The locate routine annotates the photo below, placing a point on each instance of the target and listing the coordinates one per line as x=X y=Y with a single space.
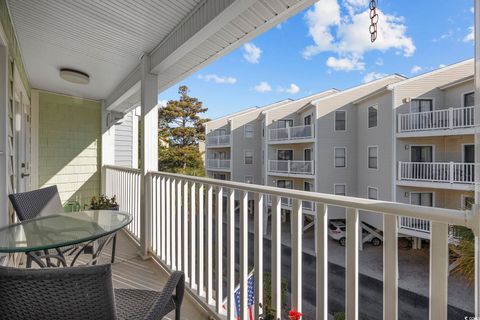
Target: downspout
x=477 y=152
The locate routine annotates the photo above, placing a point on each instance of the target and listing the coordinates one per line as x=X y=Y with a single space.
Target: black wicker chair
x=31 y=204
x=82 y=293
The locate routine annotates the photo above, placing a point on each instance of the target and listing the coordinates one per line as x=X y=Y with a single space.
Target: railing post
x=258 y=253
x=351 y=278
x=149 y=143
x=450 y=118
x=452 y=172
x=297 y=231
x=439 y=271
x=276 y=256
x=399 y=170
x=390 y=267
x=321 y=240
x=399 y=123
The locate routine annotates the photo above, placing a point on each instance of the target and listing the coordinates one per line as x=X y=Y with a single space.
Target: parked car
x=336 y=230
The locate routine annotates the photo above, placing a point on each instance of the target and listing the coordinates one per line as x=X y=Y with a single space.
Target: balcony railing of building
x=451 y=118
x=218 y=164
x=291 y=133
x=219 y=140
x=182 y=225
x=291 y=166
x=414 y=224
x=448 y=172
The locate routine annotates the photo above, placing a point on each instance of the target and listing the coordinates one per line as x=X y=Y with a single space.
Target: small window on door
x=308 y=186
x=340 y=157
x=285 y=123
x=469 y=99
x=307 y=154
x=307 y=120
x=421 y=153
x=285 y=155
x=286 y=184
x=421 y=105
x=340 y=189
x=422 y=199
x=372 y=116
x=340 y=120
x=372 y=193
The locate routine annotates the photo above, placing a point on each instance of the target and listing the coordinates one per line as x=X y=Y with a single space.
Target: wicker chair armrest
x=176 y=283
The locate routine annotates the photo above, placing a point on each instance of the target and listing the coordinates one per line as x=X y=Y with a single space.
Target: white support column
x=258 y=252
x=351 y=277
x=321 y=236
x=149 y=145
x=297 y=254
x=439 y=271
x=390 y=268
x=476 y=117
x=108 y=146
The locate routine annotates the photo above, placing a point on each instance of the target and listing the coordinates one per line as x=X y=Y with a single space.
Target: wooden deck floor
x=130 y=271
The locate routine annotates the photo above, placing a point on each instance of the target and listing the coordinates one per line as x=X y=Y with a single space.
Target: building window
x=372 y=116
x=372 y=193
x=308 y=186
x=307 y=154
x=469 y=99
x=421 y=199
x=284 y=155
x=249 y=179
x=421 y=105
x=286 y=184
x=307 y=120
x=467 y=202
x=340 y=120
x=372 y=157
x=340 y=189
x=219 y=176
x=248 y=157
x=340 y=157
x=285 y=123
x=248 y=130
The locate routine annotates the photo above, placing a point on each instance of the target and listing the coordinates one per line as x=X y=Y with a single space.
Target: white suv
x=336 y=230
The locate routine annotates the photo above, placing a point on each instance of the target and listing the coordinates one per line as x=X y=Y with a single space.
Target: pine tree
x=181 y=129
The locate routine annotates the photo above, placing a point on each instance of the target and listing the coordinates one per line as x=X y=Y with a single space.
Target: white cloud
x=442 y=65
x=252 y=53
x=162 y=103
x=470 y=36
x=379 y=62
x=348 y=36
x=415 y=69
x=263 y=87
x=292 y=89
x=217 y=79
x=373 y=76
x=345 y=64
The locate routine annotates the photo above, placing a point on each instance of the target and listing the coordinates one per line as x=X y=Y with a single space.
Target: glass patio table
x=53 y=237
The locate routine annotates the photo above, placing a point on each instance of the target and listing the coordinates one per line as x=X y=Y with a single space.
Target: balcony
x=438 y=122
x=450 y=175
x=299 y=134
x=291 y=168
x=184 y=214
x=218 y=141
x=218 y=164
x=414 y=227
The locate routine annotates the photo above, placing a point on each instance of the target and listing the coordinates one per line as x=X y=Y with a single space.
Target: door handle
x=23 y=175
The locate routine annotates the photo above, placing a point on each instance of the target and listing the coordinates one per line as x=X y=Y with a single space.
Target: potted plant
x=104 y=203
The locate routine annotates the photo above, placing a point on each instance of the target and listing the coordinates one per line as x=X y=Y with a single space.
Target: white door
x=22 y=145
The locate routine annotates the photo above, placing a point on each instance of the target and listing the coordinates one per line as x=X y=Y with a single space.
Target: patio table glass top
x=61 y=230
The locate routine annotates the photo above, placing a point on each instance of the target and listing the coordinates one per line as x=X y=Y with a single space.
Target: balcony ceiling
x=107 y=38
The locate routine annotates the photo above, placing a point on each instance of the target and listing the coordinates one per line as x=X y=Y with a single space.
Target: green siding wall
x=13 y=47
x=69 y=145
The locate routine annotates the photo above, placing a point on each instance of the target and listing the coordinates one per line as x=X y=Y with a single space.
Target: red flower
x=295 y=315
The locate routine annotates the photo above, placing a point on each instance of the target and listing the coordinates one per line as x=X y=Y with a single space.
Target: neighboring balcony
x=291 y=168
x=439 y=122
x=414 y=227
x=299 y=134
x=447 y=175
x=287 y=203
x=218 y=164
x=218 y=141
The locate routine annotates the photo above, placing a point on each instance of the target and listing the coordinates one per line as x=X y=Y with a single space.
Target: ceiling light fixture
x=74 y=76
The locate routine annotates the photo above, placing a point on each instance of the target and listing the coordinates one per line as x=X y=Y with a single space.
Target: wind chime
x=373 y=20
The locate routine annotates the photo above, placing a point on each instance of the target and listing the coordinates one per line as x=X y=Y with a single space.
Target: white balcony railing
x=291 y=133
x=218 y=164
x=448 y=172
x=183 y=217
x=291 y=166
x=220 y=140
x=451 y=118
x=414 y=224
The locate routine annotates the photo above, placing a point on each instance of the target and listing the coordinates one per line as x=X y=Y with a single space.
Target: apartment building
x=393 y=139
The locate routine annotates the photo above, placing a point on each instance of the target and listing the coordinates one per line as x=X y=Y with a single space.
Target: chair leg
x=114 y=245
x=177 y=313
x=29 y=262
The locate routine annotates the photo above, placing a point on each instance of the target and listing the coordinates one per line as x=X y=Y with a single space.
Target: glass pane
x=340 y=117
x=469 y=100
x=372 y=117
x=60 y=230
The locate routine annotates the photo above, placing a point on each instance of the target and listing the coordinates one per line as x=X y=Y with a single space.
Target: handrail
x=120 y=168
x=450 y=216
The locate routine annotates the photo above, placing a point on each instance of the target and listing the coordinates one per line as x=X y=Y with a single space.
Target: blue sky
x=328 y=46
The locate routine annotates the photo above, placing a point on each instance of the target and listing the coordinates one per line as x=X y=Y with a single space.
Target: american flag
x=250 y=299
